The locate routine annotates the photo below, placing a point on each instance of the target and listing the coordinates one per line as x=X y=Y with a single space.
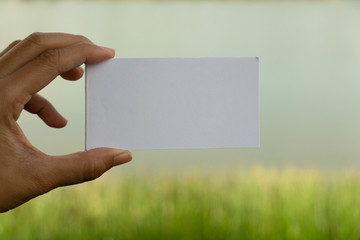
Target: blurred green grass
x=253 y=203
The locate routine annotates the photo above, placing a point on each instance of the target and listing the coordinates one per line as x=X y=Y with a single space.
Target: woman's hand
x=26 y=67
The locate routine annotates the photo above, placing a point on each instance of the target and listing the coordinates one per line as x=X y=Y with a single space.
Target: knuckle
x=83 y=38
x=14 y=43
x=85 y=46
x=36 y=39
x=50 y=58
x=92 y=170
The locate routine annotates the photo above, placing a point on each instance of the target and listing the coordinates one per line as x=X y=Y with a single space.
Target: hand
x=25 y=68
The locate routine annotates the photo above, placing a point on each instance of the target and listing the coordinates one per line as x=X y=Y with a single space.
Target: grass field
x=246 y=204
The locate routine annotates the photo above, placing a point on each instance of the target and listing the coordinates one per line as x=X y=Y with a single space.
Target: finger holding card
x=27 y=66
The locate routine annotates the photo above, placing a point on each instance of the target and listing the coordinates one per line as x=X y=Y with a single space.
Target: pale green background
x=309 y=71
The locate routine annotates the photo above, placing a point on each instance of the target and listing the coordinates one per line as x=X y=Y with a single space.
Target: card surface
x=173 y=103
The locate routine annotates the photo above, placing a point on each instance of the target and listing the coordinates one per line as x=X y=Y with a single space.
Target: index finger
x=36 y=74
x=32 y=46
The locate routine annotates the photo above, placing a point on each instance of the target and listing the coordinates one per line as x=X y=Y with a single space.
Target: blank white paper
x=173 y=103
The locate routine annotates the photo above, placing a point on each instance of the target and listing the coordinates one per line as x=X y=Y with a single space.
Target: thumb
x=85 y=166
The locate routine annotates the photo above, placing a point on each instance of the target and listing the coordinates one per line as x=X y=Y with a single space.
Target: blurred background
x=309 y=85
x=309 y=69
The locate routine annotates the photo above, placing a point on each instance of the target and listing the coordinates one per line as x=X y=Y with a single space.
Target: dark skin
x=26 y=67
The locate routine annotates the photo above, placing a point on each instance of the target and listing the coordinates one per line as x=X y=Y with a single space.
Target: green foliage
x=254 y=204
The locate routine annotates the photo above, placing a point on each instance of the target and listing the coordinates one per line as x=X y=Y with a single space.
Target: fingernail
x=109 y=49
x=123 y=157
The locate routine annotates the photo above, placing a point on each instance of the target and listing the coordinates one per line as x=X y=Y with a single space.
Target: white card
x=172 y=103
